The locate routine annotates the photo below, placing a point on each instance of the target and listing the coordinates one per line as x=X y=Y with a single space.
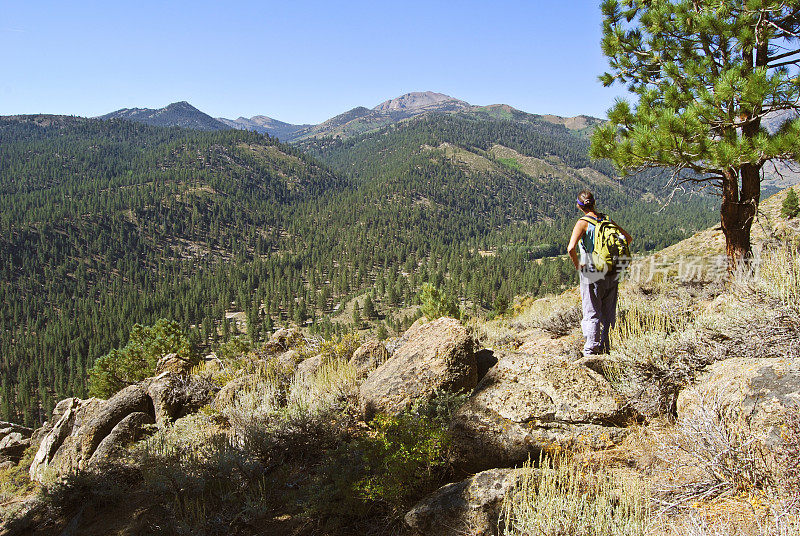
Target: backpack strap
x=592 y=220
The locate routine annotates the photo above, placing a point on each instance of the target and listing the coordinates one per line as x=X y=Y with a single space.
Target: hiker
x=599 y=266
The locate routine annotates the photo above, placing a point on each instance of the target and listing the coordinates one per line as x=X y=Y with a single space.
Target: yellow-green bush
x=436 y=303
x=387 y=468
x=402 y=456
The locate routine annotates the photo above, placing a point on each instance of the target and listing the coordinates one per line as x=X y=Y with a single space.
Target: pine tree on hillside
x=790 y=207
x=369 y=308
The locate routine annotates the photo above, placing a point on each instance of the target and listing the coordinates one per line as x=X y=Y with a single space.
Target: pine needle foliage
x=437 y=303
x=138 y=358
x=706 y=74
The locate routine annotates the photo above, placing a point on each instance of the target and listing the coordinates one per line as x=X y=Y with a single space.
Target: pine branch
x=784 y=55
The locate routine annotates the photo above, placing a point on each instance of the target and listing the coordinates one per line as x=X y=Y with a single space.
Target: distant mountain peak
x=419 y=100
x=180 y=114
x=180 y=105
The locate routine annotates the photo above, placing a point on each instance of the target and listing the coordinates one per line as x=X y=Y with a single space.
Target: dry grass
x=555 y=314
x=275 y=421
x=779 y=274
x=564 y=498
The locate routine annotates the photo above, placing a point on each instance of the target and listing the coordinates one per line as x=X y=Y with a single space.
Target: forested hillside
x=110 y=223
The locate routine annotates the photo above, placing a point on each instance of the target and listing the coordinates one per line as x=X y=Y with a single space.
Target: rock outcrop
x=368 y=357
x=438 y=356
x=761 y=389
x=309 y=366
x=526 y=404
x=471 y=506
x=86 y=433
x=14 y=441
x=59 y=442
x=282 y=340
x=176 y=395
x=173 y=363
x=129 y=430
x=226 y=396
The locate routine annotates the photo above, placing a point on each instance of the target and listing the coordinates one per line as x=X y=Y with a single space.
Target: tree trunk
x=738 y=211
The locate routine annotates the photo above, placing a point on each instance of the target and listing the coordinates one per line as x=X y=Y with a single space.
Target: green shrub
x=383 y=471
x=15 y=481
x=403 y=458
x=137 y=359
x=437 y=303
x=234 y=348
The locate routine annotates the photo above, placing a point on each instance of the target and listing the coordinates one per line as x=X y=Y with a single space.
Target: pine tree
x=369 y=308
x=705 y=73
x=382 y=333
x=790 y=207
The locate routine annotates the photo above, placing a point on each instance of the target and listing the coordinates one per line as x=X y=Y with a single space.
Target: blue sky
x=299 y=61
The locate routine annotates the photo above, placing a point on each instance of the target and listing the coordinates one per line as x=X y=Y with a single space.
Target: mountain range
x=361 y=120
x=353 y=122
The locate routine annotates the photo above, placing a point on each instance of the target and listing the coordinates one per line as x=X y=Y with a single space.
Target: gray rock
x=129 y=430
x=14 y=441
x=176 y=395
x=761 y=389
x=226 y=397
x=309 y=366
x=528 y=403
x=173 y=363
x=129 y=400
x=9 y=427
x=13 y=446
x=471 y=507
x=437 y=357
x=282 y=340
x=368 y=357
x=289 y=359
x=82 y=427
x=57 y=444
x=394 y=343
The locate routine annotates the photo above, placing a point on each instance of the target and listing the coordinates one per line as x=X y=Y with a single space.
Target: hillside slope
x=231 y=232
x=109 y=223
x=433 y=432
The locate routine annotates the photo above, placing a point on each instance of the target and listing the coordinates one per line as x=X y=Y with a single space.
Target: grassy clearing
x=510 y=163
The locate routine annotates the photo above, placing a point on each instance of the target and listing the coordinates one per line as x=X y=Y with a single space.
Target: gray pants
x=599 y=300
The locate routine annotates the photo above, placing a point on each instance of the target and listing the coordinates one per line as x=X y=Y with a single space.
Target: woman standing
x=599 y=288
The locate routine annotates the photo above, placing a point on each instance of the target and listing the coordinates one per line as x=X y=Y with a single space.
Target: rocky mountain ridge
x=352 y=122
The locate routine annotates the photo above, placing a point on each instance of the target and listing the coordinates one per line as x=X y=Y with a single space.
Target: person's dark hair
x=586 y=200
